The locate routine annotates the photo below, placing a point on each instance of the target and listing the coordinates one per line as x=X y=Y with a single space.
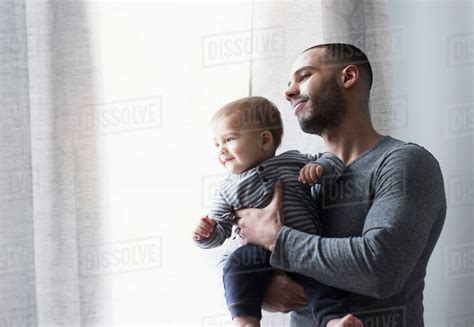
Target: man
x=381 y=219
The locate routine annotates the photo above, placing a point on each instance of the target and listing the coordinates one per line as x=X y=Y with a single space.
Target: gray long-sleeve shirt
x=381 y=221
x=254 y=189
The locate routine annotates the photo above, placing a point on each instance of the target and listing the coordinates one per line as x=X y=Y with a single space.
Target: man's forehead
x=313 y=57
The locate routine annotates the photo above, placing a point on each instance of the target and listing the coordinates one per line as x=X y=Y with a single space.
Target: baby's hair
x=252 y=113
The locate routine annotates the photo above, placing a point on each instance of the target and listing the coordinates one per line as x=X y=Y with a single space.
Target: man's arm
x=409 y=198
x=284 y=294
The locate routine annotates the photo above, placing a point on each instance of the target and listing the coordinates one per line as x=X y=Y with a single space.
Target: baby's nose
x=221 y=149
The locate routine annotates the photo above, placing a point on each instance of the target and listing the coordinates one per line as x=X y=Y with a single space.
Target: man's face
x=315 y=96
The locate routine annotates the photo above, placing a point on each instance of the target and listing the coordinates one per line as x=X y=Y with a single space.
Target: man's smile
x=298 y=104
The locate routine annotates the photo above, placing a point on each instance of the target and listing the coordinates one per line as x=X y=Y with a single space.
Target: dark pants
x=247 y=273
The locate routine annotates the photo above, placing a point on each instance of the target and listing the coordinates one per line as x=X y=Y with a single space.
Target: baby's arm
x=325 y=166
x=216 y=227
x=204 y=228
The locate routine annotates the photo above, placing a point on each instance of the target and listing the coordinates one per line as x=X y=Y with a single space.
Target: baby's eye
x=229 y=139
x=216 y=145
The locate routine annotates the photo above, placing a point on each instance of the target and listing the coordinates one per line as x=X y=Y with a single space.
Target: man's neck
x=349 y=143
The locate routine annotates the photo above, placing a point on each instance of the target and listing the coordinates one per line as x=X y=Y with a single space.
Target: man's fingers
x=319 y=171
x=307 y=174
x=306 y=178
x=301 y=177
x=279 y=184
x=277 y=199
x=284 y=294
x=312 y=174
x=277 y=193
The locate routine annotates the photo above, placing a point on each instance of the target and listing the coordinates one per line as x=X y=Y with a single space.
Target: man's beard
x=327 y=109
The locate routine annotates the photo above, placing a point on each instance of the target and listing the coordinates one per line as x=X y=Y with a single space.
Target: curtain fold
x=366 y=24
x=17 y=265
x=51 y=191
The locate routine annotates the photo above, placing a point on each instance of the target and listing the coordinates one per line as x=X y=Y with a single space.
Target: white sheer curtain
x=50 y=200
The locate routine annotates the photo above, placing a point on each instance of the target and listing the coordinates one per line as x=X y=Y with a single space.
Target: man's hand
x=261 y=226
x=283 y=294
x=204 y=228
x=310 y=173
x=347 y=321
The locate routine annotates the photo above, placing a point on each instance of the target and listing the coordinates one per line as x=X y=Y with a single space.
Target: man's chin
x=310 y=127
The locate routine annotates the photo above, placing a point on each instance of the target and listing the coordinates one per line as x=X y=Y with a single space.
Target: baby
x=247 y=133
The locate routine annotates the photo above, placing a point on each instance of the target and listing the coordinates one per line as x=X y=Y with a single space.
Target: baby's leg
x=327 y=304
x=247 y=274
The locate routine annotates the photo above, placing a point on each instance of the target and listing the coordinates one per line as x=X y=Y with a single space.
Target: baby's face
x=238 y=149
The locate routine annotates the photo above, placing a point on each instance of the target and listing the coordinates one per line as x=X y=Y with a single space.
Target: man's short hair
x=346 y=54
x=253 y=113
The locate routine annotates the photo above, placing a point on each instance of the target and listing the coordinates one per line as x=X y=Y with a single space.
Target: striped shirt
x=254 y=189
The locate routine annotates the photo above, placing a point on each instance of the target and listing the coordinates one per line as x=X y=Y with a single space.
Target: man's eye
x=304 y=76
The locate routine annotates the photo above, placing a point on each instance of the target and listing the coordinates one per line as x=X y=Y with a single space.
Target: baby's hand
x=204 y=228
x=310 y=173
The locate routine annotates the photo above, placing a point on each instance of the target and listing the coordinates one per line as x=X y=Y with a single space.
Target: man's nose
x=291 y=91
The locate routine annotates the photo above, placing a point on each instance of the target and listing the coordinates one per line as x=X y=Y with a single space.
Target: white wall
x=436 y=77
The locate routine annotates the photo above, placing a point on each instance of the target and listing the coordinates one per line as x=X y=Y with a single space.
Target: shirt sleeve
x=409 y=203
x=223 y=215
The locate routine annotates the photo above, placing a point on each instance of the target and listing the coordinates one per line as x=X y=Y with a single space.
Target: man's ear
x=267 y=140
x=350 y=75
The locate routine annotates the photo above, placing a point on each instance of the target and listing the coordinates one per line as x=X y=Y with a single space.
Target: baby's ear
x=267 y=140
